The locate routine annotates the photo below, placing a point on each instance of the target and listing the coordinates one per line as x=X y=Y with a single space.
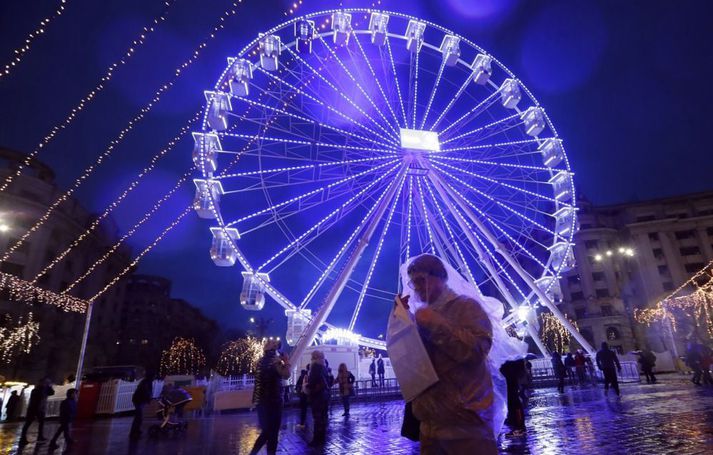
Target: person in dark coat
x=693 y=360
x=345 y=379
x=67 y=413
x=647 y=360
x=372 y=372
x=36 y=409
x=380 y=370
x=515 y=374
x=559 y=370
x=141 y=397
x=12 y=408
x=267 y=396
x=580 y=365
x=608 y=362
x=319 y=390
x=300 y=386
x=569 y=367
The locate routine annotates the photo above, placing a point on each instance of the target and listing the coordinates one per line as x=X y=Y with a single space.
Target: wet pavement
x=673 y=416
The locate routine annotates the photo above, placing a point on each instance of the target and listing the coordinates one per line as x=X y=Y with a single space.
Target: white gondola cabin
x=482 y=69
x=205 y=151
x=510 y=93
x=552 y=151
x=304 y=35
x=241 y=73
x=562 y=257
x=297 y=321
x=206 y=202
x=534 y=120
x=414 y=35
x=378 y=23
x=450 y=49
x=252 y=296
x=342 y=27
x=270 y=48
x=222 y=251
x=562 y=185
x=218 y=107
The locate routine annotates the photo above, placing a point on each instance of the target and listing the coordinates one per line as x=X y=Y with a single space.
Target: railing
x=545 y=377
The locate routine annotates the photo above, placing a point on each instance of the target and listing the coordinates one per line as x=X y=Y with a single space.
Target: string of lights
x=128 y=128
x=152 y=165
x=240 y=356
x=20 y=290
x=20 y=339
x=39 y=30
x=108 y=75
x=182 y=357
x=554 y=334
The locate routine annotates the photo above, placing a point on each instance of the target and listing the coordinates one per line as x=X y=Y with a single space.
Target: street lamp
x=4 y=227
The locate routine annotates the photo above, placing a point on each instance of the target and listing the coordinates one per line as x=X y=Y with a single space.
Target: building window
x=709 y=230
x=577 y=296
x=653 y=236
x=694 y=267
x=663 y=269
x=641 y=219
x=658 y=253
x=580 y=313
x=602 y=293
x=612 y=334
x=667 y=286
x=598 y=276
x=689 y=250
x=573 y=279
x=606 y=310
x=591 y=244
x=682 y=235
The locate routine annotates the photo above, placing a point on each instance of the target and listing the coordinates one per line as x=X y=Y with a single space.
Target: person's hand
x=404 y=301
x=425 y=316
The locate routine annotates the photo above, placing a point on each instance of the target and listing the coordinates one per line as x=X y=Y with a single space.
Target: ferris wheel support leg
x=518 y=269
x=490 y=268
x=321 y=316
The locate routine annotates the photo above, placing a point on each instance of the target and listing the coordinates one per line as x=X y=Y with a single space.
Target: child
x=67 y=412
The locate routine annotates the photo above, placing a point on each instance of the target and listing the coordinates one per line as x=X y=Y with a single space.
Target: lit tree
x=240 y=356
x=18 y=339
x=183 y=357
x=554 y=334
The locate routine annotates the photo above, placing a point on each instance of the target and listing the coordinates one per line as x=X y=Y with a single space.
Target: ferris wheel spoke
x=358 y=86
x=388 y=138
x=376 y=79
x=489 y=130
x=323 y=190
x=314 y=122
x=433 y=93
x=377 y=254
x=396 y=80
x=337 y=90
x=502 y=184
x=452 y=101
x=474 y=112
x=437 y=157
x=301 y=142
x=409 y=217
x=413 y=94
x=425 y=215
x=317 y=227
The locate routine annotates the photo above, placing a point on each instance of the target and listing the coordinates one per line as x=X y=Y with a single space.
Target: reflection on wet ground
x=672 y=416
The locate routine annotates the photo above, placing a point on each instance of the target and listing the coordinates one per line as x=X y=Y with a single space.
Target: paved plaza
x=673 y=416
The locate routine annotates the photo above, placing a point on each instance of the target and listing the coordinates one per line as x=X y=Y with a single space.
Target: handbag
x=410 y=428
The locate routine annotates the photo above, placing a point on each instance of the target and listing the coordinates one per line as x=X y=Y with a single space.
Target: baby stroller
x=170 y=412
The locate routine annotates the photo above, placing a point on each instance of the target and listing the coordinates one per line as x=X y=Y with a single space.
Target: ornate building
x=25 y=200
x=631 y=256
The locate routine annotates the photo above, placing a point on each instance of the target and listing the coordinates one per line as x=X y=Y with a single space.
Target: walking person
x=67 y=413
x=380 y=370
x=569 y=365
x=345 y=379
x=372 y=372
x=301 y=388
x=456 y=413
x=515 y=374
x=319 y=390
x=647 y=360
x=141 y=397
x=36 y=409
x=608 y=362
x=559 y=370
x=693 y=360
x=706 y=360
x=12 y=407
x=267 y=395
x=580 y=365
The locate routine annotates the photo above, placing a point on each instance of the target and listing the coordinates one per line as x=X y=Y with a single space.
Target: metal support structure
x=83 y=349
x=482 y=256
x=518 y=268
x=321 y=316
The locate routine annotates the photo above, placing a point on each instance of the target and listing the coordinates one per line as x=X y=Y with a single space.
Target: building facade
x=151 y=319
x=632 y=256
x=22 y=204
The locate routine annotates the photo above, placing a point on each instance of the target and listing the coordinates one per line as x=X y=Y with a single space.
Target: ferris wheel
x=336 y=145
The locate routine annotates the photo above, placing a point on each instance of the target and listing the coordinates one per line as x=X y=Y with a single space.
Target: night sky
x=626 y=83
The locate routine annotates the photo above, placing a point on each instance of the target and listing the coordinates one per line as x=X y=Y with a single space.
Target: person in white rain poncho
x=462 y=332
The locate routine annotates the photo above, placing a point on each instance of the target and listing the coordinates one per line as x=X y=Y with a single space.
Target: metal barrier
x=545 y=377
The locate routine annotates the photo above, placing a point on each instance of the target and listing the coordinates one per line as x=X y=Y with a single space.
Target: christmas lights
x=22 y=291
x=109 y=74
x=21 y=51
x=19 y=339
x=554 y=334
x=240 y=356
x=183 y=357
